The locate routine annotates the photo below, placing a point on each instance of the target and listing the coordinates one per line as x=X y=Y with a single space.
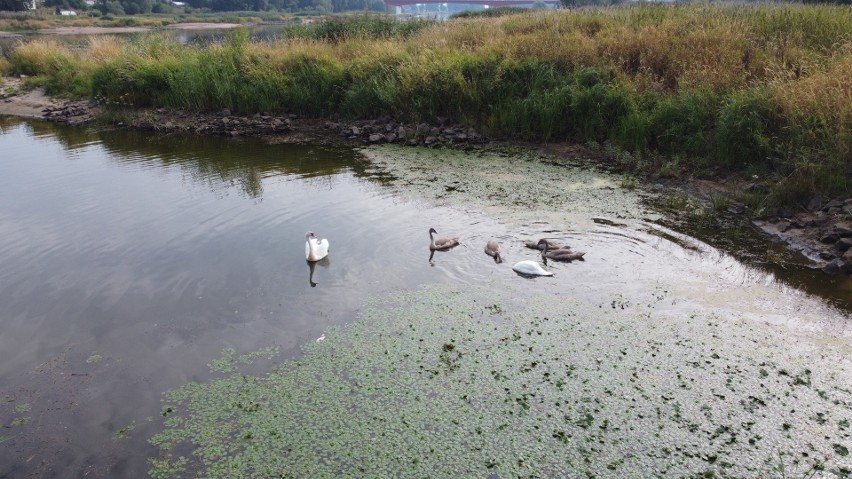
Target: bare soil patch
x=30 y=104
x=16 y=101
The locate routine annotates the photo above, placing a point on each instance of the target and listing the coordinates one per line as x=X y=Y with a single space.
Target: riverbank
x=750 y=90
x=822 y=232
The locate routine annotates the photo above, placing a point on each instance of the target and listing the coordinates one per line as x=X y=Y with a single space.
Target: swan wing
x=443 y=243
x=322 y=248
x=551 y=244
x=530 y=267
x=566 y=254
x=316 y=249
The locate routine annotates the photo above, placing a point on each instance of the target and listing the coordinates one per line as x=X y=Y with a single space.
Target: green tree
x=14 y=5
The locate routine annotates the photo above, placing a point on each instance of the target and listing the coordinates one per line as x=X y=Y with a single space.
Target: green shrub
x=490 y=12
x=685 y=123
x=749 y=130
x=340 y=28
x=597 y=112
x=540 y=115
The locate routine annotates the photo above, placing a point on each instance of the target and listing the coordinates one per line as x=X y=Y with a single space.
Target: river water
x=128 y=262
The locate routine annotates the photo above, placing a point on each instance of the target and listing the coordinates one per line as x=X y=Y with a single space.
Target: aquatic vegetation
x=124 y=432
x=230 y=362
x=514 y=183
x=470 y=382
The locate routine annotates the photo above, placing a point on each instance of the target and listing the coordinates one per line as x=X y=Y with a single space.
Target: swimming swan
x=561 y=254
x=441 y=243
x=315 y=249
x=551 y=244
x=492 y=248
x=530 y=268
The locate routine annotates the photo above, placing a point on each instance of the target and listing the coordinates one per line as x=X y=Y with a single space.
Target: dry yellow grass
x=824 y=95
x=102 y=48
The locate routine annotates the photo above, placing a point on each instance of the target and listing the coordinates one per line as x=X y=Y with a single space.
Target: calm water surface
x=129 y=261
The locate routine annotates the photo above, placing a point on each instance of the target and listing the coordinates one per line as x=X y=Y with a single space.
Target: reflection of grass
x=428 y=384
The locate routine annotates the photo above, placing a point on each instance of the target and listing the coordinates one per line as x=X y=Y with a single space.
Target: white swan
x=315 y=249
x=441 y=243
x=531 y=268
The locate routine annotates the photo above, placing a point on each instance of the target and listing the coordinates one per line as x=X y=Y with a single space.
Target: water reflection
x=157 y=252
x=312 y=265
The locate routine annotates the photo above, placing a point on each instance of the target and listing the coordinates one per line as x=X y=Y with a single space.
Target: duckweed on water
x=230 y=362
x=507 y=184
x=448 y=381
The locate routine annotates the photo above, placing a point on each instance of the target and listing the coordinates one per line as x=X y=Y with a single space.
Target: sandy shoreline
x=30 y=104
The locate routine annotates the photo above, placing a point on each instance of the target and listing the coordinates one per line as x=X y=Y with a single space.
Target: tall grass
x=725 y=88
x=339 y=28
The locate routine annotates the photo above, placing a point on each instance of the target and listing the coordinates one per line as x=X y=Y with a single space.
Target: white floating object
x=531 y=268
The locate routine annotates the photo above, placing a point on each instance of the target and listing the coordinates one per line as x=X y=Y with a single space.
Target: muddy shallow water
x=128 y=262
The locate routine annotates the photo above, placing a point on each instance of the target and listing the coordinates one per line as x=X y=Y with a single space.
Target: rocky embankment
x=383 y=130
x=823 y=233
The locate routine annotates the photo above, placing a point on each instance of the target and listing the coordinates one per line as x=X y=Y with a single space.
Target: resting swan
x=530 y=268
x=441 y=243
x=315 y=249
x=551 y=244
x=561 y=254
x=492 y=248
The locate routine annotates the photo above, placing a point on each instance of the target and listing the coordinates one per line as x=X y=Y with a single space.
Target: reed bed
x=758 y=89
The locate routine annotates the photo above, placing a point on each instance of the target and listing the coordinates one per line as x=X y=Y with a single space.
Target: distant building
x=68 y=13
x=90 y=3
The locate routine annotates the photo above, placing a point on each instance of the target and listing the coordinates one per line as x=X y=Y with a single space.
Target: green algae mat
x=495 y=381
